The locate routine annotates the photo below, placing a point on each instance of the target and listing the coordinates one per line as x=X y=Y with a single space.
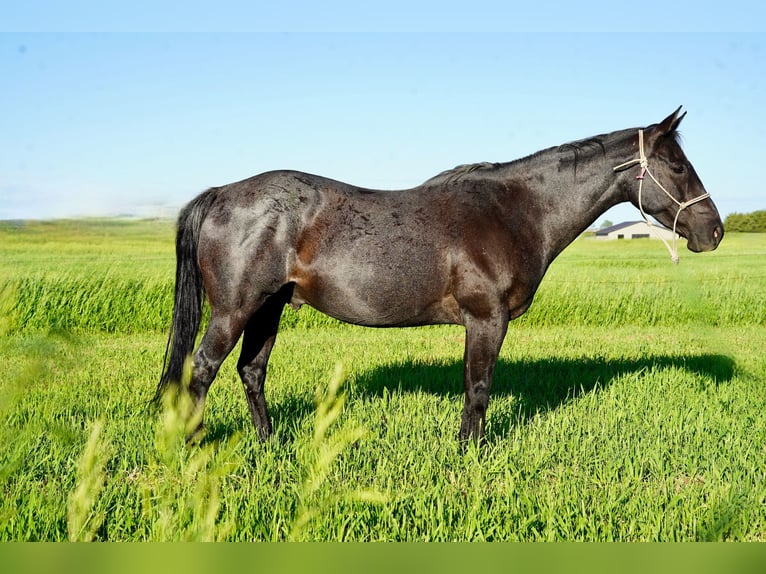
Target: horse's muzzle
x=706 y=241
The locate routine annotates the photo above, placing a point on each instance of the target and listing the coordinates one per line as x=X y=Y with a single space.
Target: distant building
x=635 y=230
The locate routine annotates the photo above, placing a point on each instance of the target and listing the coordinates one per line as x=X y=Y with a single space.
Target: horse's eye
x=678 y=168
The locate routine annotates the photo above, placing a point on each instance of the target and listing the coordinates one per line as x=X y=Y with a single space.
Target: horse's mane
x=460 y=171
x=582 y=149
x=480 y=169
x=586 y=148
x=572 y=152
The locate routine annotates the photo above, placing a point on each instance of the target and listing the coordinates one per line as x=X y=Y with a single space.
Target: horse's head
x=669 y=188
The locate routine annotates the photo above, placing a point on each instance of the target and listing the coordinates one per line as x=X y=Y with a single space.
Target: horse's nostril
x=717 y=234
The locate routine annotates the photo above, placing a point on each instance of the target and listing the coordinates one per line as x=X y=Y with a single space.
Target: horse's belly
x=383 y=303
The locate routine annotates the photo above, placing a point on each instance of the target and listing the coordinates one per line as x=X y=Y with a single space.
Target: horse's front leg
x=484 y=337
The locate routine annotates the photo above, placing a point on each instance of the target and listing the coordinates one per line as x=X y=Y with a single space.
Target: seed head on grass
x=319 y=456
x=178 y=417
x=181 y=487
x=82 y=521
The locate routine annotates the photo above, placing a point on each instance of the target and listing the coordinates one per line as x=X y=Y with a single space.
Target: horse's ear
x=670 y=123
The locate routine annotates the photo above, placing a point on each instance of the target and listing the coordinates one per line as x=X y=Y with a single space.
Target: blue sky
x=102 y=123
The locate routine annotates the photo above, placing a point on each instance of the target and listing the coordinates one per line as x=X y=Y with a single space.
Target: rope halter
x=644 y=163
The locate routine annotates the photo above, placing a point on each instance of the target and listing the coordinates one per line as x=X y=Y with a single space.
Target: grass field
x=628 y=404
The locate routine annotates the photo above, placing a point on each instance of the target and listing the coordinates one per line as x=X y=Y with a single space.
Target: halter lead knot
x=644 y=163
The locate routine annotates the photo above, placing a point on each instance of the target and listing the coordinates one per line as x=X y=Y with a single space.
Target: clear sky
x=114 y=123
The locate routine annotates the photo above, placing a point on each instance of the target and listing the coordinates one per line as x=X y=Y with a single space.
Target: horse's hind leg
x=221 y=335
x=260 y=335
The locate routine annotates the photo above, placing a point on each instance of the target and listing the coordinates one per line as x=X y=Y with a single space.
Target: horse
x=469 y=246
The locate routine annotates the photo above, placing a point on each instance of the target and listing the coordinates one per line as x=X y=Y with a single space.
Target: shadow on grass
x=285 y=415
x=539 y=385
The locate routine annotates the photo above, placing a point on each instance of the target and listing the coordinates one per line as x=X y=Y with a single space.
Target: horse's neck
x=571 y=200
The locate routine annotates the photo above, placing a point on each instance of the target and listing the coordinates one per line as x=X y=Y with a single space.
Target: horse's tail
x=189 y=292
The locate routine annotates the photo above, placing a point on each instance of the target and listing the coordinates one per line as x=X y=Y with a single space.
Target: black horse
x=469 y=246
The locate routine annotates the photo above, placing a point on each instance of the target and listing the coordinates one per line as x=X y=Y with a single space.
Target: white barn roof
x=634 y=230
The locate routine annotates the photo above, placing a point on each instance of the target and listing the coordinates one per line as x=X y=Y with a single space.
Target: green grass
x=630 y=407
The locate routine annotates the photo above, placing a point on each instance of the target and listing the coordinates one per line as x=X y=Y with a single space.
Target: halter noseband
x=644 y=163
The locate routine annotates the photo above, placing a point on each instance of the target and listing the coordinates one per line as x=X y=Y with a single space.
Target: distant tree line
x=754 y=222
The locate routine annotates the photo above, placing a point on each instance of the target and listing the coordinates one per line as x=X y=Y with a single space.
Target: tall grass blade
x=320 y=455
x=82 y=520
